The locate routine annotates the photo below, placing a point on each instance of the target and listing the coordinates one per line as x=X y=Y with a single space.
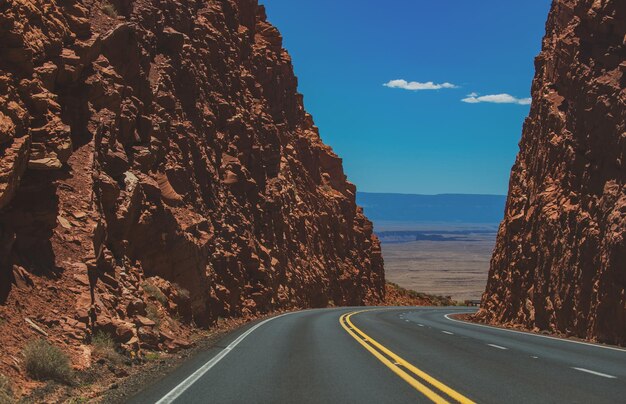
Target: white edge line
x=447 y=332
x=533 y=335
x=497 y=346
x=185 y=384
x=596 y=373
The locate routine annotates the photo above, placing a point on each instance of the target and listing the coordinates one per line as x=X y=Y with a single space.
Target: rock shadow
x=26 y=229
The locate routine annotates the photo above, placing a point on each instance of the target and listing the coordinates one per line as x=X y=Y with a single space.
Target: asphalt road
x=392 y=355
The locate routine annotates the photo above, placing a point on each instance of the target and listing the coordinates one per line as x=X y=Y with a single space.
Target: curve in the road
x=400 y=366
x=337 y=355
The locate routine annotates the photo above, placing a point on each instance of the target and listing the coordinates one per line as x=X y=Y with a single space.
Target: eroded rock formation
x=560 y=259
x=156 y=161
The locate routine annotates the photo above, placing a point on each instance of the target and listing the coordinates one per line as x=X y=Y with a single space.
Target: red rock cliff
x=156 y=158
x=560 y=258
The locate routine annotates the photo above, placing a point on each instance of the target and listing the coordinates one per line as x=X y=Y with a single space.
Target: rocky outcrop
x=560 y=259
x=156 y=163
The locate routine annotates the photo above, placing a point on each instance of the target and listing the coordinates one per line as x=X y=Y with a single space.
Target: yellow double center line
x=401 y=367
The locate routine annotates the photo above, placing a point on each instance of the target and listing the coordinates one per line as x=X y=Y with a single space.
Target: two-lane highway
x=395 y=355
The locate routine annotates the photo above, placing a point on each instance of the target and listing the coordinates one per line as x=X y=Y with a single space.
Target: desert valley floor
x=441 y=259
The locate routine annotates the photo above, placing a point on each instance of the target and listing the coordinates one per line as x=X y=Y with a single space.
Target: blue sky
x=427 y=141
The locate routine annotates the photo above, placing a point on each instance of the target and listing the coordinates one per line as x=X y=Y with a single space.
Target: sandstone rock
x=22 y=278
x=177 y=145
x=136 y=306
x=183 y=343
x=64 y=222
x=12 y=166
x=47 y=74
x=168 y=193
x=560 y=260
x=109 y=280
x=144 y=321
x=148 y=338
x=166 y=335
x=81 y=277
x=78 y=214
x=35 y=327
x=46 y=163
x=122 y=331
x=7 y=128
x=172 y=40
x=171 y=347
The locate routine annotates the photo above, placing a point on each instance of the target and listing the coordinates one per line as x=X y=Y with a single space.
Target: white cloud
x=474 y=98
x=415 y=85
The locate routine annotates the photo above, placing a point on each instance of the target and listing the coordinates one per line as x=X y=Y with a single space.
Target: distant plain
x=436 y=244
x=449 y=259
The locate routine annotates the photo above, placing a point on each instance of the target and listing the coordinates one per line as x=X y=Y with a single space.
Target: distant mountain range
x=443 y=208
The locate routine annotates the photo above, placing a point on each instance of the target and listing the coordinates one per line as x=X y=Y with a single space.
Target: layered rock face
x=157 y=153
x=560 y=259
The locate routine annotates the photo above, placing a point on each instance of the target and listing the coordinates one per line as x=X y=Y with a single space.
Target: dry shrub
x=46 y=362
x=109 y=9
x=154 y=291
x=6 y=394
x=105 y=347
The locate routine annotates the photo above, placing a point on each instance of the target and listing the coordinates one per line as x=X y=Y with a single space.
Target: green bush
x=152 y=356
x=6 y=394
x=104 y=346
x=109 y=9
x=154 y=292
x=46 y=362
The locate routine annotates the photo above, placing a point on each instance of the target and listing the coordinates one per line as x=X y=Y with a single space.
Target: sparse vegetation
x=78 y=400
x=104 y=346
x=152 y=356
x=6 y=394
x=175 y=317
x=45 y=361
x=182 y=292
x=434 y=300
x=108 y=9
x=153 y=314
x=154 y=291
